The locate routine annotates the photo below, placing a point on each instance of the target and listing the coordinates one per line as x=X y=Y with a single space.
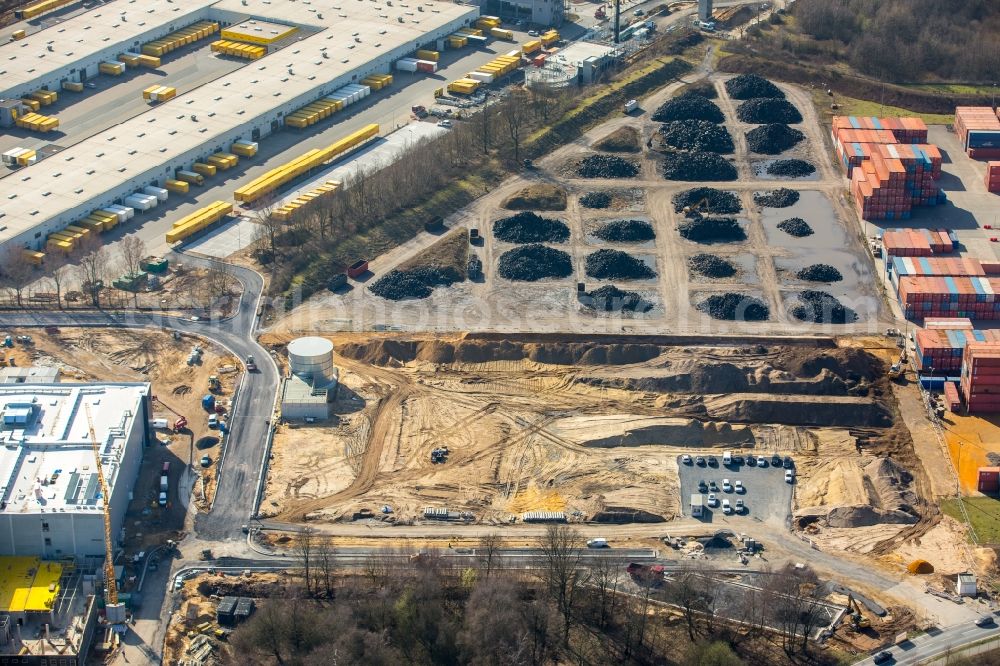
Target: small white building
x=697 y=505
x=965 y=585
x=307 y=391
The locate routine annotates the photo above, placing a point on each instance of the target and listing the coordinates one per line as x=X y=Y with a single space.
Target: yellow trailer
x=190 y=177
x=32 y=104
x=204 y=169
x=176 y=185
x=73 y=86
x=426 y=54
x=32 y=257
x=19 y=34
x=500 y=33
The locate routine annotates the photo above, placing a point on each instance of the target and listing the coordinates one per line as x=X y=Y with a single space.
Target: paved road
x=929 y=647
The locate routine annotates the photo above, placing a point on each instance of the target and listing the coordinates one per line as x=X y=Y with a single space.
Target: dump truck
x=251 y=364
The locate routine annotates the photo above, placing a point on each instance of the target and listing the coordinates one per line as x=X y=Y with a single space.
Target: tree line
x=564 y=608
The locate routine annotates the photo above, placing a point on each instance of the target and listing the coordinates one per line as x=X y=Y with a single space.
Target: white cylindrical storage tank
x=312 y=357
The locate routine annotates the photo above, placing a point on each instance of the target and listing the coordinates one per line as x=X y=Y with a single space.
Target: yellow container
x=532 y=46
x=190 y=177
x=90 y=223
x=244 y=148
x=424 y=54
x=79 y=230
x=176 y=186
x=152 y=62
x=203 y=169
x=500 y=33
x=19 y=34
x=32 y=257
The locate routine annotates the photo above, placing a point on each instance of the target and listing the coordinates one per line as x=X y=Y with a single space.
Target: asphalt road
x=929 y=647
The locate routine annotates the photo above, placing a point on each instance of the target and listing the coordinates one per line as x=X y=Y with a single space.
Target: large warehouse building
x=50 y=504
x=335 y=43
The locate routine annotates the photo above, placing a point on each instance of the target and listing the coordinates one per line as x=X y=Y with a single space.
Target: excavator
x=858 y=621
x=114 y=611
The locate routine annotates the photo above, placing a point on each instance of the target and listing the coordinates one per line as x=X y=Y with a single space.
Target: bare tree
x=131 y=251
x=268 y=226
x=304 y=546
x=483 y=122
x=17 y=274
x=686 y=591
x=605 y=574
x=515 y=119
x=59 y=271
x=326 y=561
x=92 y=271
x=562 y=554
x=488 y=551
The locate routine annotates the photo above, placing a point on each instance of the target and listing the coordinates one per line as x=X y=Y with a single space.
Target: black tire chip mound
x=528 y=227
x=748 y=86
x=711 y=266
x=626 y=231
x=707 y=200
x=689 y=107
x=796 y=226
x=595 y=200
x=820 y=273
x=617 y=265
x=529 y=263
x=761 y=110
x=773 y=138
x=819 y=307
x=791 y=168
x=712 y=230
x=779 y=198
x=697 y=135
x=414 y=283
x=610 y=298
x=607 y=166
x=698 y=167
x=735 y=307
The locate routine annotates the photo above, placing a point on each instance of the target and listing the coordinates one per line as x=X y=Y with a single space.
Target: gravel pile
x=705 y=88
x=617 y=265
x=626 y=231
x=414 y=283
x=820 y=273
x=595 y=200
x=712 y=230
x=607 y=166
x=697 y=135
x=715 y=201
x=819 y=307
x=779 y=198
x=735 y=307
x=610 y=298
x=689 y=107
x=762 y=110
x=698 y=166
x=748 y=86
x=791 y=168
x=711 y=266
x=773 y=139
x=529 y=263
x=530 y=227
x=796 y=226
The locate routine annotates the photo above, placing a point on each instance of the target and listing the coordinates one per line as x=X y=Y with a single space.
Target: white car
x=727 y=508
x=532 y=33
x=738 y=486
x=597 y=543
x=162 y=501
x=713 y=500
x=761 y=461
x=740 y=506
x=727 y=486
x=789 y=476
x=686 y=459
x=444 y=123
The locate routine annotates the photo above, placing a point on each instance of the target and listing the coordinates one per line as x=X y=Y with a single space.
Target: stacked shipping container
x=978 y=129
x=993 y=177
x=941 y=350
x=972 y=297
x=916 y=242
x=980 y=381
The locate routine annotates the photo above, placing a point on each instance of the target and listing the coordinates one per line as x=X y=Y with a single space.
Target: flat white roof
x=351 y=32
x=46 y=457
x=577 y=52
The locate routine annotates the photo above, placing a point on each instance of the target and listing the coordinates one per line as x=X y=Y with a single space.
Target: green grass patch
x=860 y=107
x=984 y=516
x=955 y=88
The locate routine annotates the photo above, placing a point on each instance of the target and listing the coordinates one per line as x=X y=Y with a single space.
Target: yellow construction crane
x=114 y=612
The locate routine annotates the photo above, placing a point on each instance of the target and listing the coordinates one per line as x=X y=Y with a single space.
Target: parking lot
x=766 y=495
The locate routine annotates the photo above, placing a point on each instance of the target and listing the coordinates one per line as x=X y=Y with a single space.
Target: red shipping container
x=989 y=480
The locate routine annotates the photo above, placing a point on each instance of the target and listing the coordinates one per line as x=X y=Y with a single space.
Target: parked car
x=686 y=459
x=597 y=543
x=740 y=506
x=761 y=461
x=162 y=501
x=713 y=500
x=789 y=476
x=727 y=486
x=788 y=463
x=700 y=461
x=882 y=657
x=727 y=508
x=702 y=486
x=532 y=33
x=712 y=485
x=776 y=460
x=713 y=461
x=205 y=461
x=444 y=123
x=738 y=486
x=751 y=461
x=984 y=621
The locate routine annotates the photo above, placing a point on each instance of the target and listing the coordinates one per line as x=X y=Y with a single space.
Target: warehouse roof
x=111 y=158
x=48 y=51
x=27 y=584
x=46 y=459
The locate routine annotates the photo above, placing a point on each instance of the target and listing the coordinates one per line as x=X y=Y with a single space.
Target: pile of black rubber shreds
x=533 y=262
x=617 y=265
x=689 y=107
x=711 y=266
x=819 y=307
x=697 y=135
x=712 y=230
x=595 y=200
x=707 y=200
x=820 y=273
x=735 y=307
x=626 y=231
x=610 y=298
x=791 y=168
x=796 y=226
x=748 y=86
x=528 y=227
x=762 y=110
x=773 y=138
x=606 y=166
x=779 y=198
x=697 y=166
x=414 y=283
